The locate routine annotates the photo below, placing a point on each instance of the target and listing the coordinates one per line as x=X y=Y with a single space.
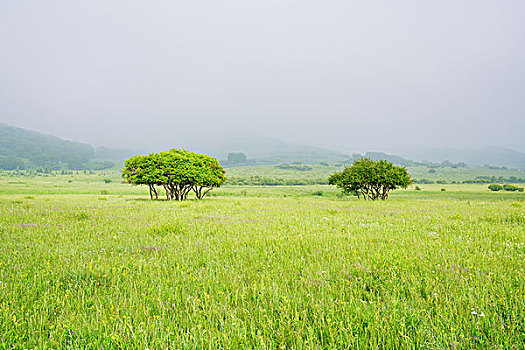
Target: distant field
x=90 y=264
x=320 y=174
x=95 y=183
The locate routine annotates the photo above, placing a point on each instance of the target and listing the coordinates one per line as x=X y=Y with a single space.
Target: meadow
x=94 y=264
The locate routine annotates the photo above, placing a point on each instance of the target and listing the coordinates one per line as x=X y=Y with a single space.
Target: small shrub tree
x=495 y=187
x=178 y=171
x=511 y=188
x=371 y=179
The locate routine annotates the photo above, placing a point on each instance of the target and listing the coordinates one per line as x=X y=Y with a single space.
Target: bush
x=495 y=187
x=443 y=189
x=317 y=193
x=512 y=188
x=371 y=179
x=107 y=181
x=424 y=182
x=418 y=188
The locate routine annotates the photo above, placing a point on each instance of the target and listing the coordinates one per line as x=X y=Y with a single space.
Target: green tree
x=207 y=174
x=237 y=157
x=143 y=170
x=371 y=179
x=177 y=171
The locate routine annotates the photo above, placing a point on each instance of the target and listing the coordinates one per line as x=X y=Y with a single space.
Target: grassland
x=90 y=264
x=320 y=174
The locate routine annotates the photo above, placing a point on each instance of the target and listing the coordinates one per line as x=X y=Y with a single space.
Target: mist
x=350 y=76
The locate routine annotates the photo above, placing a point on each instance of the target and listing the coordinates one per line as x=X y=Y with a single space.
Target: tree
x=208 y=174
x=177 y=171
x=143 y=170
x=371 y=179
x=237 y=158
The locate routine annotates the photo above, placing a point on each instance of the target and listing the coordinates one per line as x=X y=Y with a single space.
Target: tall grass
x=262 y=272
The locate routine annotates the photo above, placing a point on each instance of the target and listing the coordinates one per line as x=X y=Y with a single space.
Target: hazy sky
x=349 y=75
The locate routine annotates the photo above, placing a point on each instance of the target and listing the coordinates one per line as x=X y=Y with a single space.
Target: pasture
x=89 y=264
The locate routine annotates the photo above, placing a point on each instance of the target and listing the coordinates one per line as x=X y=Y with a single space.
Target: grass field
x=321 y=173
x=89 y=264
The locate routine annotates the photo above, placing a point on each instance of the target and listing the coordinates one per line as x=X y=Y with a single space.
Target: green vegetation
x=259 y=268
x=88 y=262
x=371 y=179
x=178 y=171
x=508 y=187
x=495 y=187
x=237 y=158
x=23 y=149
x=296 y=167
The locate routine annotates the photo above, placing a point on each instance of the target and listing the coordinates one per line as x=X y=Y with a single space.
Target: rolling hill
x=24 y=149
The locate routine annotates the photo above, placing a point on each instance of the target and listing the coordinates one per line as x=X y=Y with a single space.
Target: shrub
x=495 y=187
x=418 y=188
x=371 y=179
x=508 y=187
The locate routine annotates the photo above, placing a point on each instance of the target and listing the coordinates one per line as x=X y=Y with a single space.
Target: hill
x=268 y=151
x=25 y=149
x=487 y=156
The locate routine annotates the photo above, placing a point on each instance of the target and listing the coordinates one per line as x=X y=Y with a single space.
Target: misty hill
x=398 y=160
x=261 y=151
x=493 y=156
x=24 y=149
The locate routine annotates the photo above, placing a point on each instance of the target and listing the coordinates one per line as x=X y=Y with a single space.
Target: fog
x=347 y=75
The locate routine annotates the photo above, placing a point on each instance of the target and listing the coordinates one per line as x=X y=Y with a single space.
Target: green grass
x=259 y=267
x=321 y=173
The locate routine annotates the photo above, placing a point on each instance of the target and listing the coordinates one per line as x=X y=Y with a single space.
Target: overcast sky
x=349 y=75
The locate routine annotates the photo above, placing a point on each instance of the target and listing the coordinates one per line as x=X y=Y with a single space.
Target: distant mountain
x=493 y=156
x=23 y=149
x=112 y=154
x=398 y=160
x=272 y=151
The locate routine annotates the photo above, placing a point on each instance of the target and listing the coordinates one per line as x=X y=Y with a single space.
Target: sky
x=348 y=75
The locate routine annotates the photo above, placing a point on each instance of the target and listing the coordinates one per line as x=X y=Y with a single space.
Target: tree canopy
x=371 y=179
x=178 y=171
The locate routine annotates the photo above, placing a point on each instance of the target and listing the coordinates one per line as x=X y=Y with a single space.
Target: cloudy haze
x=349 y=75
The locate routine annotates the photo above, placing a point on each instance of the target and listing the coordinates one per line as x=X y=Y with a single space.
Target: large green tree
x=143 y=170
x=178 y=171
x=371 y=179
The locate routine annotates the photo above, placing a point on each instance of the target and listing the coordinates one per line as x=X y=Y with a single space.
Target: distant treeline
x=294 y=167
x=398 y=160
x=267 y=181
x=477 y=180
x=46 y=172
